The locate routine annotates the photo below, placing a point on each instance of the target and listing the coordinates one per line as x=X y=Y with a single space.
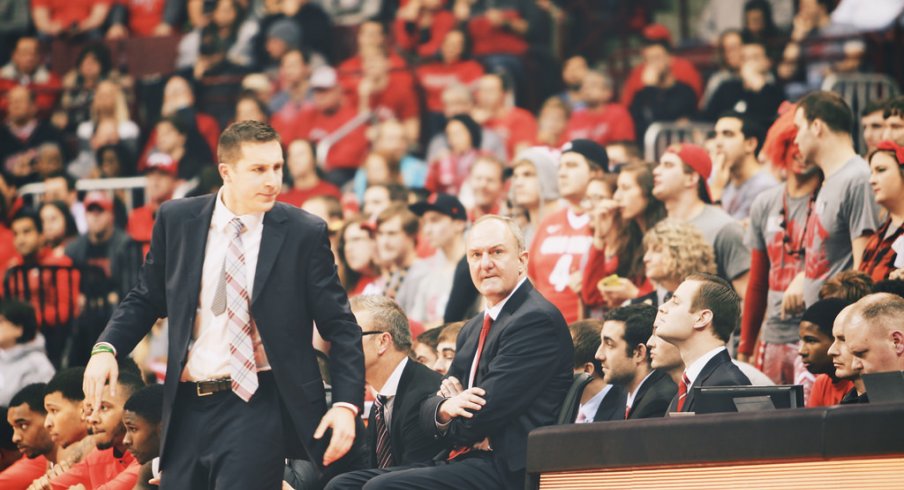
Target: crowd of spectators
x=402 y=123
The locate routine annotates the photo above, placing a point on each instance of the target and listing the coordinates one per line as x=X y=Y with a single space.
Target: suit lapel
x=395 y=432
x=612 y=407
x=489 y=346
x=708 y=370
x=195 y=232
x=272 y=237
x=644 y=388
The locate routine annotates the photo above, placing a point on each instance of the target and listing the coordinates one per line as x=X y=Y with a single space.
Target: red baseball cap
x=657 y=32
x=98 y=198
x=161 y=162
x=698 y=159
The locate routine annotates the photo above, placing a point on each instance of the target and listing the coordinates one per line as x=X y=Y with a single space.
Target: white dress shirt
x=492 y=312
x=389 y=390
x=587 y=411
x=208 y=354
x=693 y=371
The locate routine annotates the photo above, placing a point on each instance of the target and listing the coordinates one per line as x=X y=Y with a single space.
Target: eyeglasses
x=372 y=332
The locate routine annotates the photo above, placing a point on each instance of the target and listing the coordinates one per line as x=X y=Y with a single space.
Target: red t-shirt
x=24 y=471
x=557 y=251
x=488 y=39
x=68 y=12
x=286 y=118
x=515 y=127
x=297 y=197
x=144 y=15
x=608 y=124
x=351 y=71
x=46 y=88
x=436 y=77
x=682 y=69
x=141 y=224
x=396 y=101
x=60 y=298
x=348 y=152
x=100 y=469
x=443 y=21
x=598 y=268
x=826 y=393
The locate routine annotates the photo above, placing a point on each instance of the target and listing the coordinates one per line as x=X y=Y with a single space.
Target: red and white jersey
x=557 y=252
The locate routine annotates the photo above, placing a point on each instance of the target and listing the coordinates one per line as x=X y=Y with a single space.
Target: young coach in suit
x=243 y=390
x=698 y=319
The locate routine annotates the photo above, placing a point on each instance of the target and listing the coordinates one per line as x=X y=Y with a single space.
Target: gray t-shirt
x=844 y=210
x=767 y=235
x=736 y=200
x=727 y=238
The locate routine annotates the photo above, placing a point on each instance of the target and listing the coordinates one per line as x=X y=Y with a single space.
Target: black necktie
x=384 y=448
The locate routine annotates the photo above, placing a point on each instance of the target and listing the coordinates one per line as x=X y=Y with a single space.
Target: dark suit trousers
x=476 y=472
x=220 y=442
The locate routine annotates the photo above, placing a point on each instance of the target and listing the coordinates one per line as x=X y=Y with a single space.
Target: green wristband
x=100 y=348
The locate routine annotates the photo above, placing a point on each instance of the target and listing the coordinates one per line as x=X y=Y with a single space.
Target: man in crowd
x=22 y=133
x=25 y=68
x=698 y=320
x=894 y=120
x=680 y=182
x=738 y=177
x=110 y=466
x=562 y=238
x=60 y=186
x=457 y=99
x=600 y=401
x=872 y=120
x=625 y=359
x=874 y=333
x=335 y=124
x=845 y=212
x=445 y=346
x=394 y=433
x=601 y=120
x=502 y=384
x=26 y=417
x=397 y=230
x=486 y=184
x=141 y=418
x=161 y=176
x=843 y=359
x=494 y=111
x=815 y=339
x=754 y=93
x=425 y=292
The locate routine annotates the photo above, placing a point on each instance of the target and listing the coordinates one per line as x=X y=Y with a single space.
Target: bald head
x=874 y=333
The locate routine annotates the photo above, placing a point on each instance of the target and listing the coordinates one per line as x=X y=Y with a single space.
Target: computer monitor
x=885 y=387
x=716 y=399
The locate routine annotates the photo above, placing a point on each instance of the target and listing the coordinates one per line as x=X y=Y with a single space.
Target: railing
x=660 y=136
x=31 y=193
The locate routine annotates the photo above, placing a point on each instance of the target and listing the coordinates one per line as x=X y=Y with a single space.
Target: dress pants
x=219 y=442
x=476 y=471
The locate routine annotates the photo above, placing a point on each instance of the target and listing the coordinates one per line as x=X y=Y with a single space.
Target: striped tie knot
x=238 y=227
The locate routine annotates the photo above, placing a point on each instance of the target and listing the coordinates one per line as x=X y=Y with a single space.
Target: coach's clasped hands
x=459 y=401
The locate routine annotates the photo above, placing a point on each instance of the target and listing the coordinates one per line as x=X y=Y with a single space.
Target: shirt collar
x=634 y=393
x=589 y=409
x=693 y=371
x=392 y=383
x=495 y=310
x=223 y=215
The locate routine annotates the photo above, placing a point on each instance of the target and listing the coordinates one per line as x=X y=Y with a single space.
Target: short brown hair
x=410 y=221
x=718 y=296
x=229 y=148
x=386 y=316
x=848 y=285
x=450 y=332
x=830 y=108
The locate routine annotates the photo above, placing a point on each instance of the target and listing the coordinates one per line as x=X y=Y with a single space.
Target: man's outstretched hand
x=342 y=421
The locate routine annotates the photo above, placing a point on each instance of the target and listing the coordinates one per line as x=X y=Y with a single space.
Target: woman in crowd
x=94 y=64
x=356 y=256
x=887 y=180
x=229 y=25
x=630 y=213
x=58 y=224
x=447 y=173
x=108 y=107
x=673 y=250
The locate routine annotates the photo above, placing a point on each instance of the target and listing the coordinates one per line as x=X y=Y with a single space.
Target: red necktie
x=484 y=330
x=487 y=323
x=682 y=390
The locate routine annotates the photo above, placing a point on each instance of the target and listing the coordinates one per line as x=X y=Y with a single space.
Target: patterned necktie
x=682 y=390
x=239 y=328
x=384 y=449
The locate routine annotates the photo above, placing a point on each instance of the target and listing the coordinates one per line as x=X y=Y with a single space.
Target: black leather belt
x=211 y=386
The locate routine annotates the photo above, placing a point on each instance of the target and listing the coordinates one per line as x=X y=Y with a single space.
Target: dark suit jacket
x=526 y=370
x=719 y=371
x=410 y=443
x=613 y=405
x=653 y=397
x=286 y=299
